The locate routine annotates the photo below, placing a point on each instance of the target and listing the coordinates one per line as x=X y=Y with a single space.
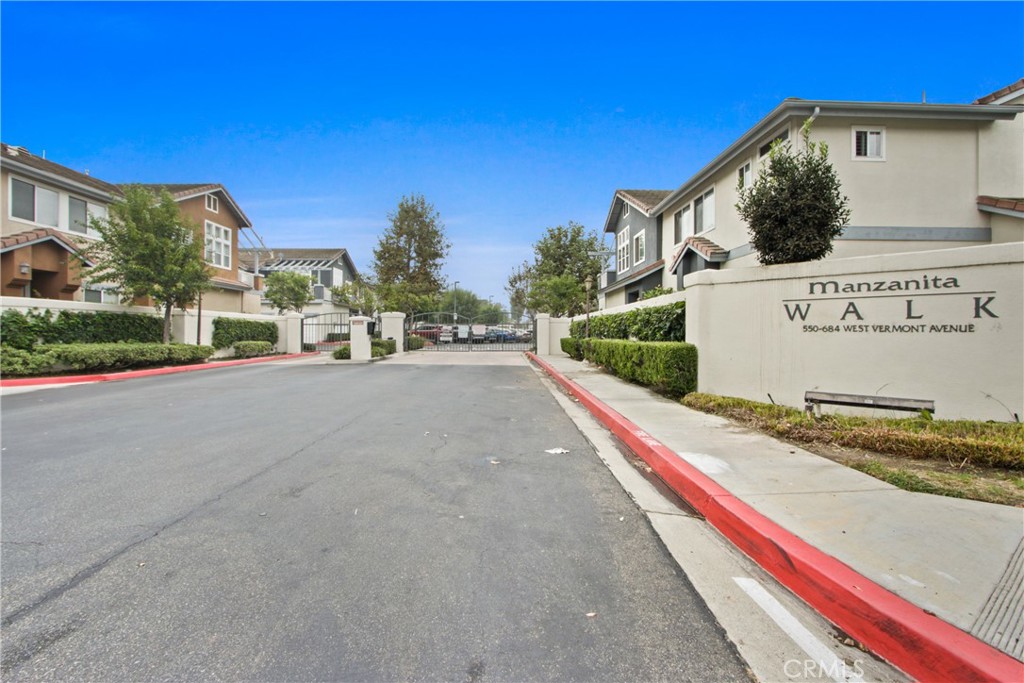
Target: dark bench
x=818 y=398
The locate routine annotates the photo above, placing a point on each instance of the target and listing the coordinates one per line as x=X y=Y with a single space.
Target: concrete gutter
x=911 y=638
x=150 y=372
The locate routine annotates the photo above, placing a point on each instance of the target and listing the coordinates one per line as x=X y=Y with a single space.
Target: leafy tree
x=412 y=251
x=357 y=295
x=289 y=291
x=561 y=296
x=795 y=209
x=404 y=297
x=465 y=302
x=553 y=283
x=518 y=290
x=150 y=249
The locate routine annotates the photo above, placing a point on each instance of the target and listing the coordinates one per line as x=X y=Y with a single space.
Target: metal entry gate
x=448 y=332
x=325 y=332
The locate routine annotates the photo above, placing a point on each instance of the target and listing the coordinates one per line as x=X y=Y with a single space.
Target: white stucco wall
x=960 y=342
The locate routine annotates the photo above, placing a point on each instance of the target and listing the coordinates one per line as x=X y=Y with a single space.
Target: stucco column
x=392 y=326
x=558 y=328
x=291 y=340
x=360 y=336
x=543 y=334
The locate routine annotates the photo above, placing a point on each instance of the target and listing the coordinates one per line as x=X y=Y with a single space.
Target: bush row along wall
x=669 y=368
x=26 y=330
x=46 y=359
x=650 y=324
x=228 y=331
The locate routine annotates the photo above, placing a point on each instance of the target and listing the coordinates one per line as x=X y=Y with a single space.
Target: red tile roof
x=1008 y=203
x=1001 y=93
x=21 y=239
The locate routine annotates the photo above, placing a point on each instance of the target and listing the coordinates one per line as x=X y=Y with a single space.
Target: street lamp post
x=455 y=304
x=588 y=283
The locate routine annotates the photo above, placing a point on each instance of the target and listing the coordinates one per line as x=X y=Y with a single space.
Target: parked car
x=500 y=335
x=427 y=331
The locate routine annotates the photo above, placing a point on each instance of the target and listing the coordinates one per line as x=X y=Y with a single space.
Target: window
x=767 y=147
x=78 y=219
x=218 y=245
x=683 y=224
x=212 y=203
x=639 y=248
x=625 y=209
x=745 y=178
x=100 y=295
x=869 y=144
x=704 y=212
x=32 y=203
x=622 y=250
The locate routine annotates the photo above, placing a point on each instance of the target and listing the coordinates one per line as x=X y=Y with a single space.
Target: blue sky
x=508 y=117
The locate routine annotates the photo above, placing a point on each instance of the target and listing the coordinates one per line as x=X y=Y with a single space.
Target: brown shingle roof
x=1002 y=92
x=644 y=199
x=704 y=247
x=11 y=155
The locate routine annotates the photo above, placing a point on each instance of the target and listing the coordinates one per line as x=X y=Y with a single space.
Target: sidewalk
x=915 y=558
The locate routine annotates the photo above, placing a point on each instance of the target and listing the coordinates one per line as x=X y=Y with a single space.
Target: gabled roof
x=801 y=110
x=1001 y=93
x=296 y=259
x=644 y=200
x=40 y=235
x=703 y=247
x=183 y=191
x=20 y=160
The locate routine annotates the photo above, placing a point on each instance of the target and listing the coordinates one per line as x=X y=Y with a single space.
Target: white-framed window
x=212 y=203
x=100 y=295
x=764 y=149
x=683 y=224
x=867 y=144
x=78 y=215
x=744 y=176
x=218 y=245
x=704 y=212
x=622 y=250
x=639 y=248
x=33 y=203
x=625 y=209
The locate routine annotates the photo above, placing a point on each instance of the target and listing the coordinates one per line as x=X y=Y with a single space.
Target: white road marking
x=826 y=659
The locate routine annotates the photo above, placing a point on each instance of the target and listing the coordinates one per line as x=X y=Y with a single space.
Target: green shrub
x=388 y=346
x=669 y=368
x=252 y=349
x=343 y=353
x=657 y=291
x=101 y=357
x=227 y=331
x=653 y=324
x=414 y=343
x=308 y=347
x=572 y=346
x=15 y=362
x=333 y=337
x=378 y=352
x=24 y=331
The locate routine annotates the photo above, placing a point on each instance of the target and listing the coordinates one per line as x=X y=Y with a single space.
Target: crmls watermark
x=835 y=670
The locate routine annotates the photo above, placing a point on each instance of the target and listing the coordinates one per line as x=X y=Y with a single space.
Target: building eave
x=803 y=109
x=632 y=278
x=60 y=181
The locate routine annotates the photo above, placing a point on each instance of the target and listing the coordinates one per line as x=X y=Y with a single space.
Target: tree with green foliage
x=518 y=290
x=412 y=250
x=795 y=208
x=405 y=298
x=358 y=295
x=150 y=249
x=554 y=282
x=288 y=291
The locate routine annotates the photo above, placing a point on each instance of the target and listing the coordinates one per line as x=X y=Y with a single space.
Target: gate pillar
x=393 y=327
x=360 y=336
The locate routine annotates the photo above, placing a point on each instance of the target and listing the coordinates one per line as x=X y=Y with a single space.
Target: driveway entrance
x=442 y=331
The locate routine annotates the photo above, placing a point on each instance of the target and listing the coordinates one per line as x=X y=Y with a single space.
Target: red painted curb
x=132 y=374
x=920 y=644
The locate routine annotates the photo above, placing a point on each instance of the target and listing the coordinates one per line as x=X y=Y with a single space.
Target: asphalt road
x=329 y=523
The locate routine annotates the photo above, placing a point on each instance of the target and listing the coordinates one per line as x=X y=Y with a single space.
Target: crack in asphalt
x=92 y=569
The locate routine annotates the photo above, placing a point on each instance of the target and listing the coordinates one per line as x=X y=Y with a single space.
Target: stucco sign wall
x=944 y=325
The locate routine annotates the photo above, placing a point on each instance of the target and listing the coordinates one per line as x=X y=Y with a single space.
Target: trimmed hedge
x=654 y=324
x=669 y=368
x=50 y=359
x=414 y=343
x=228 y=331
x=25 y=331
x=342 y=353
x=573 y=347
x=252 y=349
x=333 y=337
x=386 y=346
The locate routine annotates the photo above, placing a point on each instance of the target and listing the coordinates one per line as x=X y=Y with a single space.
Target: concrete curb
x=919 y=643
x=132 y=374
